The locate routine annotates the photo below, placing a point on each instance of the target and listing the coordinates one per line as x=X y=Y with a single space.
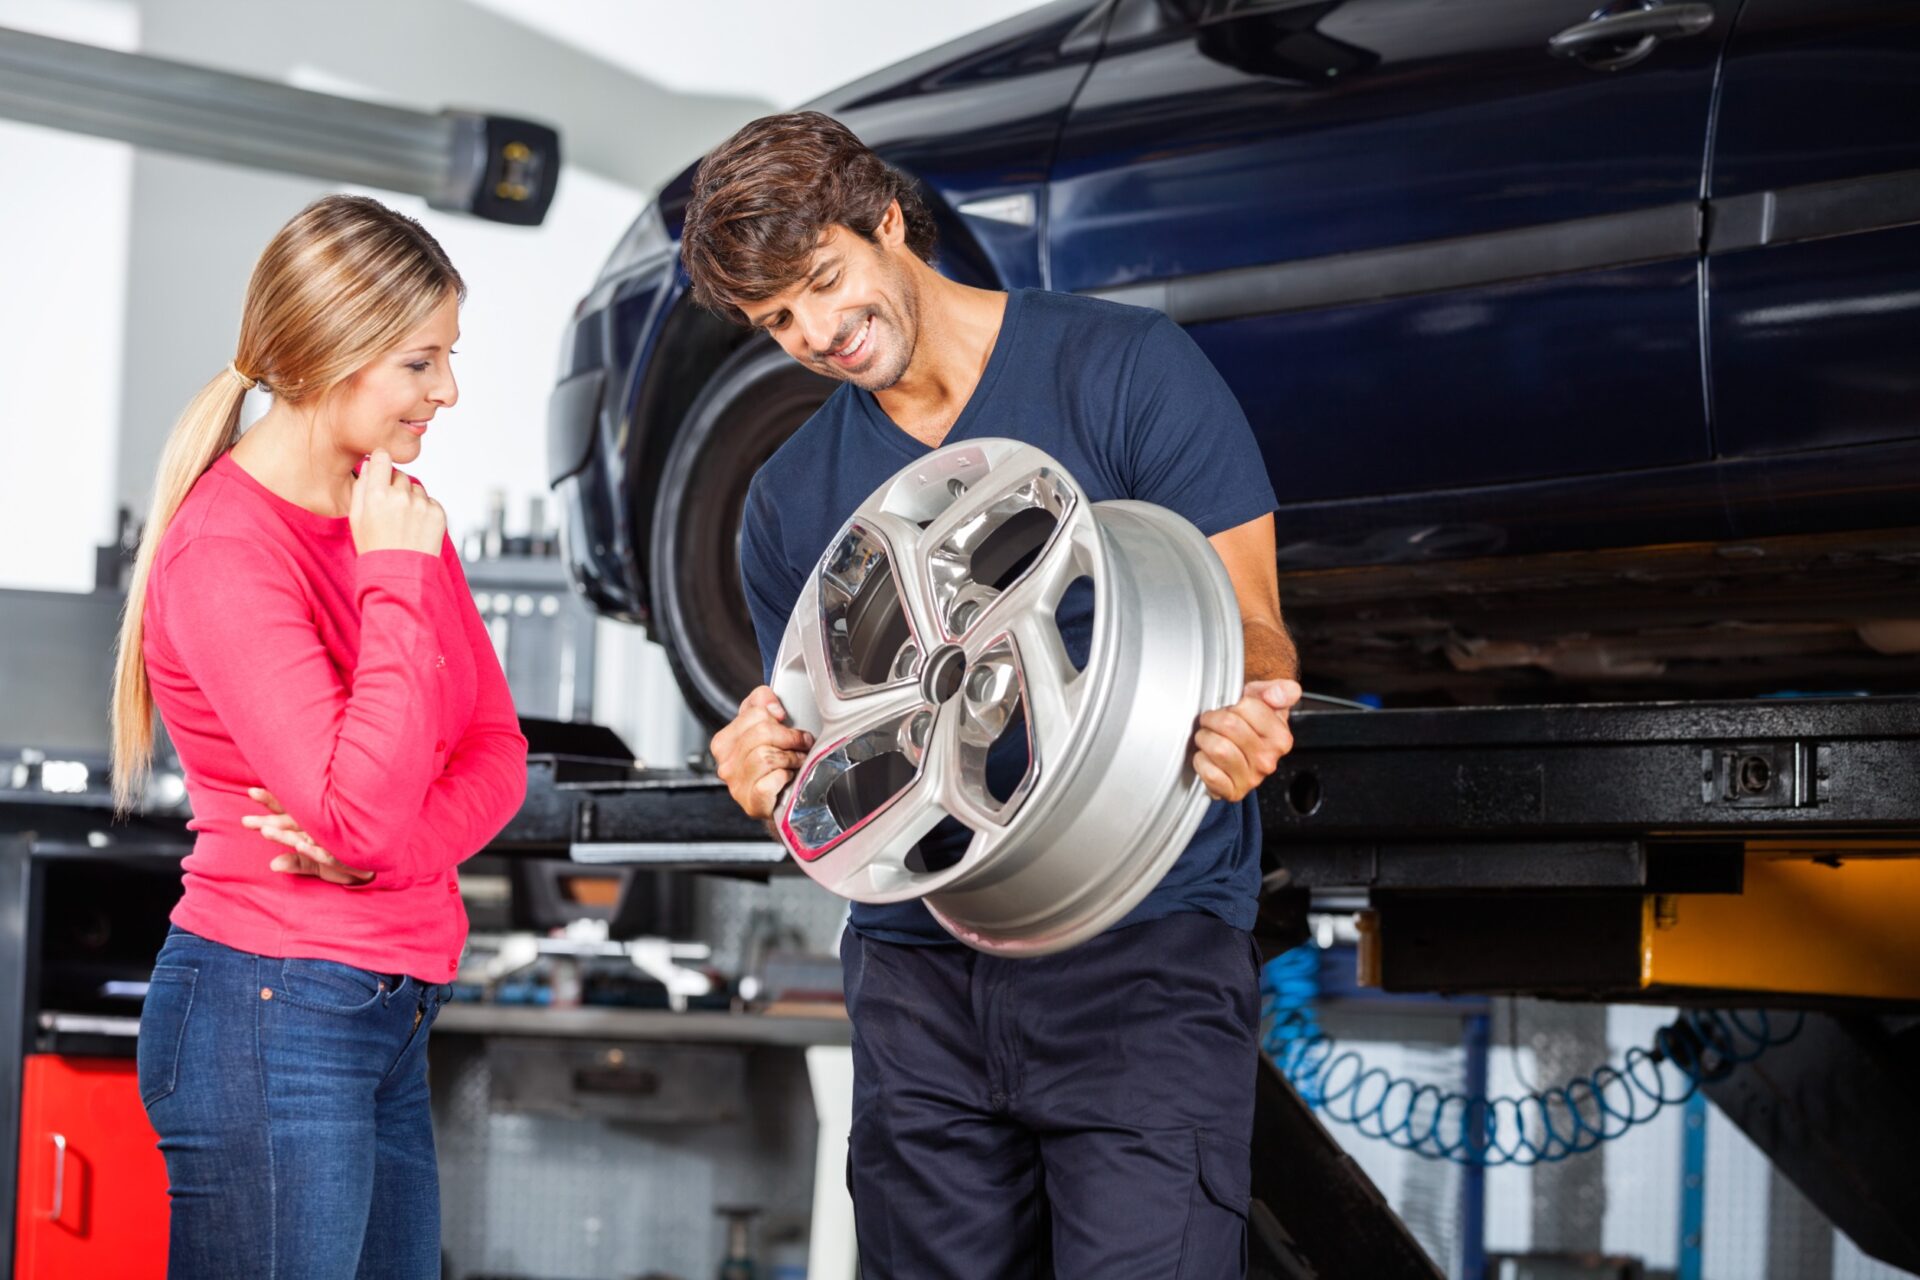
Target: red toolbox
x=93 y=1189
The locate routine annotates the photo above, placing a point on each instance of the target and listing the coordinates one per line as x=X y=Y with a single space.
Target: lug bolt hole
x=917 y=729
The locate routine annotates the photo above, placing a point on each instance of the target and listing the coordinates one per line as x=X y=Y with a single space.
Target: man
x=1087 y=1111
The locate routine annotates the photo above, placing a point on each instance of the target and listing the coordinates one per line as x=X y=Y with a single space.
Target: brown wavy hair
x=763 y=198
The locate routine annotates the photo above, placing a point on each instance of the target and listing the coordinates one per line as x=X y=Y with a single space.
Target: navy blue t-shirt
x=1131 y=408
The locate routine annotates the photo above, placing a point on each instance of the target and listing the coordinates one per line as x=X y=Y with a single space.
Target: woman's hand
x=389 y=512
x=307 y=858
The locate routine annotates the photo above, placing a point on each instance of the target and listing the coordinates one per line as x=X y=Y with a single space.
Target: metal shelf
x=600 y=1023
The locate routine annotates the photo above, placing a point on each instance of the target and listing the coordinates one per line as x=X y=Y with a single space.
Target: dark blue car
x=1583 y=345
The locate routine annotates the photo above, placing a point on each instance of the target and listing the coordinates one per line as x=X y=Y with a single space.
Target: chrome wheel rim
x=927 y=634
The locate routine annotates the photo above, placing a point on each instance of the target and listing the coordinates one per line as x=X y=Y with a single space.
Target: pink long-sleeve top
x=362 y=691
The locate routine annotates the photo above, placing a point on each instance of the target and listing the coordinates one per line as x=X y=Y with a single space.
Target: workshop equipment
x=738 y=1264
x=92 y=1194
x=1668 y=853
x=1761 y=857
x=927 y=645
x=493 y=167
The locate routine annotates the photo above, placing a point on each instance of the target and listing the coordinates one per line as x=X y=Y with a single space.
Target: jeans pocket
x=328 y=986
x=163 y=1026
x=1215 y=1245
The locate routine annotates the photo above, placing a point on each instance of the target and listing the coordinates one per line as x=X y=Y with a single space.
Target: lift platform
x=1761 y=853
x=1764 y=851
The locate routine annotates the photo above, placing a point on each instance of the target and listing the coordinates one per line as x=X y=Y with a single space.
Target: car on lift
x=1579 y=344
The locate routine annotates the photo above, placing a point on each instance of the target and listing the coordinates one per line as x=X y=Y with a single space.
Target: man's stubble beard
x=907 y=326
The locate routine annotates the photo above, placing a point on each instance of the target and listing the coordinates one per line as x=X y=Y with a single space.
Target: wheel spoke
x=991 y=536
x=871 y=864
x=1009 y=484
x=855 y=717
x=1050 y=683
x=1038 y=592
x=955 y=768
x=904 y=541
x=861 y=768
x=981 y=739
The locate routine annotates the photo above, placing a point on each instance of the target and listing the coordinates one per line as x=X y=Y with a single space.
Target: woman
x=301 y=622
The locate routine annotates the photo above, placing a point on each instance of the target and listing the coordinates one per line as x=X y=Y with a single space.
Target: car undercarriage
x=1828 y=613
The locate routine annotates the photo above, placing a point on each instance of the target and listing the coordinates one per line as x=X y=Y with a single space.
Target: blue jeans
x=290 y=1097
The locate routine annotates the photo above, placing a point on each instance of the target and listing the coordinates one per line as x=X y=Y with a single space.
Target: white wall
x=63 y=264
x=782 y=52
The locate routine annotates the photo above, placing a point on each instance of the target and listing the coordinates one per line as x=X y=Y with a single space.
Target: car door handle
x=1621 y=39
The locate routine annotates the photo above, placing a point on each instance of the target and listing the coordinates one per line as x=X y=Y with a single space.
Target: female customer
x=301 y=622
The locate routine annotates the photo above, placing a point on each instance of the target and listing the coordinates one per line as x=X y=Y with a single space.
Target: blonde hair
x=344 y=281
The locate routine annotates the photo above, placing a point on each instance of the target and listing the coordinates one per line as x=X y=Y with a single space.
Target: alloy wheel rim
x=927 y=634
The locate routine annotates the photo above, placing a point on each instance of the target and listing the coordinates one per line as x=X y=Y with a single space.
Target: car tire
x=755 y=400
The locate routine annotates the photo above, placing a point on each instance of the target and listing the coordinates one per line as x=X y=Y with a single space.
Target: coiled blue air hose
x=1538 y=1127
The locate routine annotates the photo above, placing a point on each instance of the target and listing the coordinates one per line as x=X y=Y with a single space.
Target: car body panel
x=1448 y=135
x=1484 y=306
x=1813 y=330
x=608 y=349
x=1578 y=374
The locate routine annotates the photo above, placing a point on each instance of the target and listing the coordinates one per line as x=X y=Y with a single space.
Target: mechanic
x=1085 y=1113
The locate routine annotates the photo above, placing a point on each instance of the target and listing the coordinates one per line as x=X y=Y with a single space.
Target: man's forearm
x=1270 y=654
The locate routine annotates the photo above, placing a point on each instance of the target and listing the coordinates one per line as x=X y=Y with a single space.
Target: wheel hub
x=944 y=674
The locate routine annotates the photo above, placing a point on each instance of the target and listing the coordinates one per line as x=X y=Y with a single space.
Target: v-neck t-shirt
x=1126 y=402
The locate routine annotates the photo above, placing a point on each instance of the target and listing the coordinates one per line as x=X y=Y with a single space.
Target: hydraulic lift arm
x=493 y=167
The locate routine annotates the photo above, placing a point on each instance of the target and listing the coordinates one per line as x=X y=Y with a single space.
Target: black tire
x=754 y=401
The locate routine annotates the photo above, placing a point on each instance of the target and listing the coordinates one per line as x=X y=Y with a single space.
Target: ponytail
x=204 y=432
x=344 y=280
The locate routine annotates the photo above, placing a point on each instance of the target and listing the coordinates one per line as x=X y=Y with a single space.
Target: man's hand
x=307 y=858
x=758 y=755
x=1237 y=748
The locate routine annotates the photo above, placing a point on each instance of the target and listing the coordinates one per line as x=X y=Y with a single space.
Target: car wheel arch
x=692 y=350
x=693 y=573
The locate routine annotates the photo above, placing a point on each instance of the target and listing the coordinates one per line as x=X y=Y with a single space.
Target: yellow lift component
x=1840 y=926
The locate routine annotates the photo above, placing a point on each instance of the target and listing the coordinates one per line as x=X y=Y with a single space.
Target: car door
x=1429 y=243
x=1814 y=262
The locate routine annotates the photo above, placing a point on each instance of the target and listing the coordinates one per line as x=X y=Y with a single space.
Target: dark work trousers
x=1082 y=1115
